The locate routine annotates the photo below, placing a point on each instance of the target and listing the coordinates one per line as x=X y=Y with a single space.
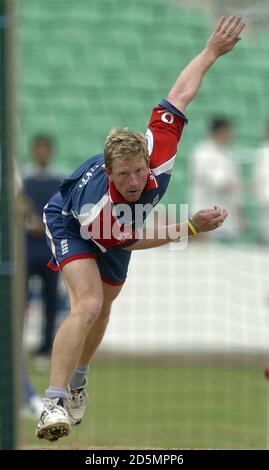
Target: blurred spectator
x=261 y=178
x=32 y=403
x=40 y=182
x=214 y=180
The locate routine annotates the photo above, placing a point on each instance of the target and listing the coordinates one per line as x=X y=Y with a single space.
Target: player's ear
x=108 y=172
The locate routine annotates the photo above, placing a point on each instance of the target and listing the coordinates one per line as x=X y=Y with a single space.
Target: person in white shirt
x=261 y=179
x=214 y=179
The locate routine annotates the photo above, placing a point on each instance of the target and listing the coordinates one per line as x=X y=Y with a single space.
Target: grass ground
x=139 y=403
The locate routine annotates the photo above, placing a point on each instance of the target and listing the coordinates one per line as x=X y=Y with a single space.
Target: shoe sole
x=53 y=432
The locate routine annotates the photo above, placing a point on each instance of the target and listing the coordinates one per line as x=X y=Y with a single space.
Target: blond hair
x=126 y=145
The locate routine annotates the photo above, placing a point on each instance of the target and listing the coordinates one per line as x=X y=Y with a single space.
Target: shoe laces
x=55 y=407
x=77 y=396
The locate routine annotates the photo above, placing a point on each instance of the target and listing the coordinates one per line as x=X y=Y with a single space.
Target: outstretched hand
x=209 y=219
x=226 y=35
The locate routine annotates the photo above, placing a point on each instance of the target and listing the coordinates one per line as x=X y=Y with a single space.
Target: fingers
x=222 y=215
x=218 y=221
x=208 y=210
x=217 y=217
x=231 y=26
x=209 y=219
x=225 y=214
x=220 y=23
x=215 y=208
x=238 y=30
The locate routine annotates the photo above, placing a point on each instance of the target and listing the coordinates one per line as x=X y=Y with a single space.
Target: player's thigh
x=82 y=278
x=110 y=293
x=113 y=266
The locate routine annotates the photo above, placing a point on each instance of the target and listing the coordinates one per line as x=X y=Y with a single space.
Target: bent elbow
x=180 y=100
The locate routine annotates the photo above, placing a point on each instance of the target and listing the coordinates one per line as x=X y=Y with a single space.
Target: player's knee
x=89 y=310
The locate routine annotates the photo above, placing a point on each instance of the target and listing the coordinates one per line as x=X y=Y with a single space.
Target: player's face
x=224 y=136
x=129 y=177
x=42 y=153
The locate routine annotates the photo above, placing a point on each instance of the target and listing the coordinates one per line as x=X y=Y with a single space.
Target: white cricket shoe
x=54 y=421
x=77 y=403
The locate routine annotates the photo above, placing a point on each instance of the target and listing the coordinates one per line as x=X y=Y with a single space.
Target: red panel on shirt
x=166 y=128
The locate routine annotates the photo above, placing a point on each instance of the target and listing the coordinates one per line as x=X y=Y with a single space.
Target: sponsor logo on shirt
x=87 y=176
x=166 y=116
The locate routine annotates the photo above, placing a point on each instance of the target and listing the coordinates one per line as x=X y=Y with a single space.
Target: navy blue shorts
x=67 y=246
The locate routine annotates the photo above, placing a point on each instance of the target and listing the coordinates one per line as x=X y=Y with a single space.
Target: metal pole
x=7 y=380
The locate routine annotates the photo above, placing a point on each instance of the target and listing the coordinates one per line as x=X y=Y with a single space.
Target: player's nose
x=133 y=181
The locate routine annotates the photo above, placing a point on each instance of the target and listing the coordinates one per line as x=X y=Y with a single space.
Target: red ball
x=266 y=372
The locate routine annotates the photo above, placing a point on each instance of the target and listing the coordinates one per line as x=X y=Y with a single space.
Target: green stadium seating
x=85 y=67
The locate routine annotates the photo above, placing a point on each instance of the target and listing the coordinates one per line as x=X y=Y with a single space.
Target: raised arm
x=222 y=41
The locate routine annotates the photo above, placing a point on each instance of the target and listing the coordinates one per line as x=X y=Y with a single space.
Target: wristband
x=193 y=228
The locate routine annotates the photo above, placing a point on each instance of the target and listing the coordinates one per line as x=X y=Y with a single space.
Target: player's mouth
x=133 y=194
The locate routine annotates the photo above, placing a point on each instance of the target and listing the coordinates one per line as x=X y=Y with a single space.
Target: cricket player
x=92 y=228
